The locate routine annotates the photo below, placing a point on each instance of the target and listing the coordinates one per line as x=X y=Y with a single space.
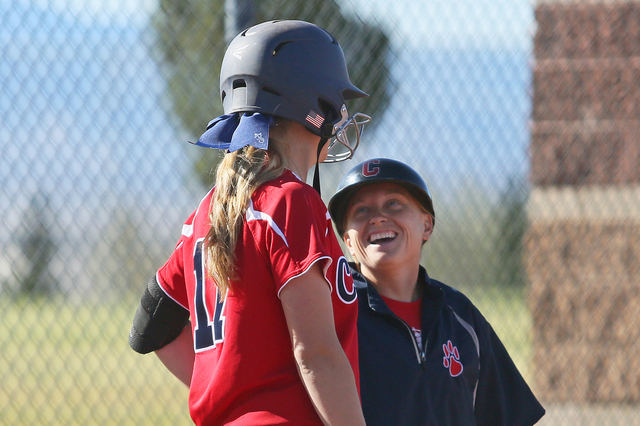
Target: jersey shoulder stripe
x=469 y=329
x=253 y=214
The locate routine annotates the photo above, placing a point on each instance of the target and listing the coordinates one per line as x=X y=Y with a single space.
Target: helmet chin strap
x=316 y=173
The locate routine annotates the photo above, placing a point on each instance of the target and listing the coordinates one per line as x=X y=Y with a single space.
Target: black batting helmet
x=378 y=170
x=290 y=69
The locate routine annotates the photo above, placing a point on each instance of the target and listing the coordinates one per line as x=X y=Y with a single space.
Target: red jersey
x=244 y=371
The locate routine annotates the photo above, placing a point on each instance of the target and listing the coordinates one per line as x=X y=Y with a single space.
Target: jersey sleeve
x=295 y=231
x=503 y=396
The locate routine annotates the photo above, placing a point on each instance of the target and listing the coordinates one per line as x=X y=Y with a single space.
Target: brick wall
x=583 y=244
x=586 y=101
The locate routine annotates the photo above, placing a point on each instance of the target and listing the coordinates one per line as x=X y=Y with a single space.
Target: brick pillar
x=583 y=245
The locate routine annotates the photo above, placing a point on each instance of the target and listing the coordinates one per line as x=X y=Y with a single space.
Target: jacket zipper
x=420 y=353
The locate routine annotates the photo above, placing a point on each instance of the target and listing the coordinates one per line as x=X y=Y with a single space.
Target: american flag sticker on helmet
x=315 y=119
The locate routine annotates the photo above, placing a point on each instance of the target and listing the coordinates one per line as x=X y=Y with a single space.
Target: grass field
x=66 y=364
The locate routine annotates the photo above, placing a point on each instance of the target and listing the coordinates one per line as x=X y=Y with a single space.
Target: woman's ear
x=349 y=243
x=428 y=227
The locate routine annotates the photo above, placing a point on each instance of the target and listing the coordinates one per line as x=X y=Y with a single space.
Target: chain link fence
x=522 y=117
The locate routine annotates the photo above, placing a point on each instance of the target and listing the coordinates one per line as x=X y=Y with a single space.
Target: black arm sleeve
x=158 y=321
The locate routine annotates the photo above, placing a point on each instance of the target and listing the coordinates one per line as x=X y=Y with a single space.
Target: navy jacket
x=472 y=381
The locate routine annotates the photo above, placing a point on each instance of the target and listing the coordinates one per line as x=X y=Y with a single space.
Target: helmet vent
x=280 y=46
x=239 y=93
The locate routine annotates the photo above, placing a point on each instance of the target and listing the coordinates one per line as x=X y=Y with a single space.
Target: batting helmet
x=290 y=69
x=378 y=170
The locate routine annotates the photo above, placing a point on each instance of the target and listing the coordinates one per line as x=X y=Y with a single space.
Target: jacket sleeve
x=503 y=397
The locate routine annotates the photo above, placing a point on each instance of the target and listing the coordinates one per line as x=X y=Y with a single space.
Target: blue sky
x=503 y=24
x=81 y=117
x=430 y=23
x=82 y=67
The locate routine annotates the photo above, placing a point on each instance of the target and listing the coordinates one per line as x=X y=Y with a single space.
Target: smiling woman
x=460 y=373
x=385 y=228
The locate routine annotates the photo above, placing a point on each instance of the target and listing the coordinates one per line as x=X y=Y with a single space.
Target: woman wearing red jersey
x=258 y=271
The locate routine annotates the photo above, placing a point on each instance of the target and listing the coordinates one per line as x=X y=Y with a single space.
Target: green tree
x=38 y=247
x=512 y=224
x=191 y=46
x=478 y=238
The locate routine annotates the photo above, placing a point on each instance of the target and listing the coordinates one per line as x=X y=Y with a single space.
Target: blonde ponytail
x=238 y=176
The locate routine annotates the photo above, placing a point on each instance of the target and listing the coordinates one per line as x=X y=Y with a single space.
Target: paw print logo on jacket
x=452 y=359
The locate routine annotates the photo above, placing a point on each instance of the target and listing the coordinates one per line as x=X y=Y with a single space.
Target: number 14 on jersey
x=209 y=330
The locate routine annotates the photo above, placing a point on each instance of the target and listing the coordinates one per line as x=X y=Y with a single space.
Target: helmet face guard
x=377 y=170
x=348 y=129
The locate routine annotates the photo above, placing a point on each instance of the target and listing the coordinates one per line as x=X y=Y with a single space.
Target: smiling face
x=385 y=228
